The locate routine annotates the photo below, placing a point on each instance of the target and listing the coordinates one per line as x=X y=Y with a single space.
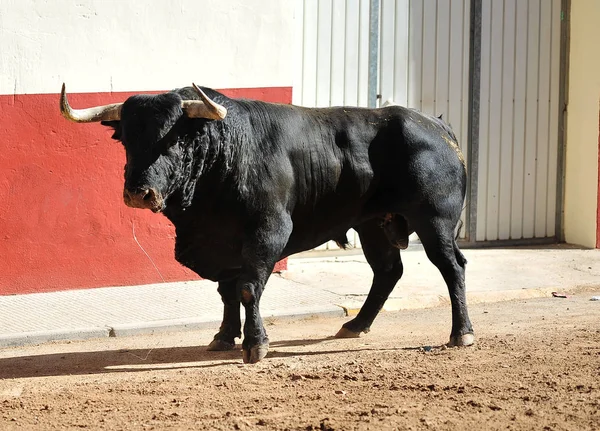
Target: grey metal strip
x=473 y=121
x=373 y=53
x=565 y=22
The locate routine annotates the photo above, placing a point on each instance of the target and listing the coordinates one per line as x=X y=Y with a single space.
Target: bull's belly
x=217 y=254
x=303 y=240
x=221 y=262
x=210 y=260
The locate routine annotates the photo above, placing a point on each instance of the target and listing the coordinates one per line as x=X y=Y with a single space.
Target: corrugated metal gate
x=333 y=53
x=423 y=61
x=518 y=119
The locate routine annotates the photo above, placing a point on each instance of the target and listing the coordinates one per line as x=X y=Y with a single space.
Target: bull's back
x=346 y=165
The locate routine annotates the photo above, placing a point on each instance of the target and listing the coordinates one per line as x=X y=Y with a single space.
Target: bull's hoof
x=347 y=333
x=217 y=345
x=461 y=340
x=255 y=354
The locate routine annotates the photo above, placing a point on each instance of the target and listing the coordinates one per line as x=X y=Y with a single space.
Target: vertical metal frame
x=562 y=120
x=373 y=52
x=473 y=120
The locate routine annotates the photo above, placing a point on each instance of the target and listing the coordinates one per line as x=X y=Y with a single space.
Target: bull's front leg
x=263 y=247
x=231 y=325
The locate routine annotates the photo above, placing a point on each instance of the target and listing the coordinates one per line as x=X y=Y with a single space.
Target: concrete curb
x=192 y=324
x=161 y=326
x=38 y=337
x=144 y=328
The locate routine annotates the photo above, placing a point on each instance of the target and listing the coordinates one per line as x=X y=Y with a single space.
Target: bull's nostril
x=142 y=198
x=148 y=195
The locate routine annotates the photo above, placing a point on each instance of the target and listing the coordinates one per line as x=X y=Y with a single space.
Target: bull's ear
x=116 y=126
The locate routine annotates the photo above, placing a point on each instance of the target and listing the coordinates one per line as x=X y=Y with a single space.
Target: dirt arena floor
x=536 y=365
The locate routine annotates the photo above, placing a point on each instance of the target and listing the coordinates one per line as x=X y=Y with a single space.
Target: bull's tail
x=462 y=261
x=459 y=227
x=342 y=241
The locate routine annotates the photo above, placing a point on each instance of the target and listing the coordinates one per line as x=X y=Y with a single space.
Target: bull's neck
x=223 y=153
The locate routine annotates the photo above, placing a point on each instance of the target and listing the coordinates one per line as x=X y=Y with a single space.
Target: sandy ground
x=536 y=365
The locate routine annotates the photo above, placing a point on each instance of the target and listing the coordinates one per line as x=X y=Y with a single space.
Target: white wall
x=136 y=45
x=581 y=171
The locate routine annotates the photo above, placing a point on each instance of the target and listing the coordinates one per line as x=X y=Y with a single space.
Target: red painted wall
x=63 y=223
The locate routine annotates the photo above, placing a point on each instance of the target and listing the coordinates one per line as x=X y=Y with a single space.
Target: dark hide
x=272 y=180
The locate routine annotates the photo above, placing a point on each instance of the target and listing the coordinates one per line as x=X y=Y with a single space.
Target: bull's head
x=146 y=125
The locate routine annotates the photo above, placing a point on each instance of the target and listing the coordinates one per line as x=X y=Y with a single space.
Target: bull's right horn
x=203 y=108
x=89 y=115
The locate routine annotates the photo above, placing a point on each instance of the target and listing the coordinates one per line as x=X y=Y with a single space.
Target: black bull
x=247 y=183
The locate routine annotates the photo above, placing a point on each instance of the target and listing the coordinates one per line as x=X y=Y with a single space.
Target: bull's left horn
x=204 y=108
x=89 y=115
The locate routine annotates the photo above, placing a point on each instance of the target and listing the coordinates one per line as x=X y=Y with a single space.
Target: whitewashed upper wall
x=135 y=45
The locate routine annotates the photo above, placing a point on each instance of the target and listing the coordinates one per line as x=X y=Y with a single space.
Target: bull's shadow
x=147 y=359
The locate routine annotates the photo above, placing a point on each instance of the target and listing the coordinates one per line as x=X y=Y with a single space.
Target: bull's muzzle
x=144 y=198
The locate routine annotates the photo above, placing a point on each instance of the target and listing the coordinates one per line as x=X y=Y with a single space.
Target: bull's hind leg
x=231 y=325
x=437 y=236
x=385 y=261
